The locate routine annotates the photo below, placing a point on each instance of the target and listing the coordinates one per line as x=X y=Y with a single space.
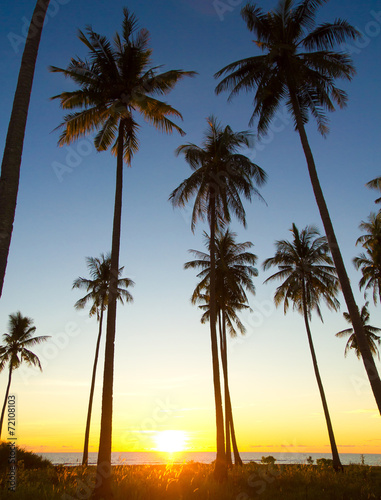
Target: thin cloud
x=362 y=411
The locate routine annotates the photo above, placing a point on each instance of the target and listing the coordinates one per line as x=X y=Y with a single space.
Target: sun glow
x=171 y=441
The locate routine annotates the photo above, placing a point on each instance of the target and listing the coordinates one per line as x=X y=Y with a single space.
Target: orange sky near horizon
x=139 y=419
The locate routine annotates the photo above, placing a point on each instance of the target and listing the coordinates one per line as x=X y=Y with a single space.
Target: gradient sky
x=163 y=375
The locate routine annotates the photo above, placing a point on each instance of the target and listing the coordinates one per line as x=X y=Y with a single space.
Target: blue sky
x=162 y=350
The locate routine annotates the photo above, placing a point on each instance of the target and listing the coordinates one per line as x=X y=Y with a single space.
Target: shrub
x=24 y=458
x=270 y=460
x=324 y=462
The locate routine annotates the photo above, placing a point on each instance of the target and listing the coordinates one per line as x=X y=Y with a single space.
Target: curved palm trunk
x=228 y=405
x=237 y=458
x=335 y=454
x=220 y=470
x=10 y=168
x=353 y=311
x=102 y=488
x=85 y=456
x=228 y=452
x=5 y=399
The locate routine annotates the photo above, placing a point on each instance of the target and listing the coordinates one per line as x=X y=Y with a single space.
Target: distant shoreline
x=157 y=458
x=201 y=464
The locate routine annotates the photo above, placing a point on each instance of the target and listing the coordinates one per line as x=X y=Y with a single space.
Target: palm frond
x=284 y=70
x=328 y=35
x=305 y=267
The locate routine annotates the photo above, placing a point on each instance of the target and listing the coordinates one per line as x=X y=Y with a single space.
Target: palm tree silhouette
x=234 y=273
x=299 y=67
x=369 y=263
x=98 y=291
x=306 y=269
x=371 y=332
x=115 y=83
x=16 y=349
x=220 y=175
x=10 y=167
x=372 y=237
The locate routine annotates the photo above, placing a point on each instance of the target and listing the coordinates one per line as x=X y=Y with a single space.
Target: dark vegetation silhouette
x=234 y=274
x=298 y=68
x=97 y=289
x=115 y=82
x=221 y=174
x=374 y=340
x=15 y=350
x=369 y=262
x=28 y=459
x=11 y=163
x=308 y=276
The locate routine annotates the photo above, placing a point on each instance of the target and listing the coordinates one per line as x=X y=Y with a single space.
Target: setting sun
x=171 y=441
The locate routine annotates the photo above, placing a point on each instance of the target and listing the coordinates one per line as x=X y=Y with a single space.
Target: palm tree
x=370 y=265
x=116 y=82
x=371 y=332
x=97 y=288
x=375 y=184
x=299 y=67
x=372 y=238
x=307 y=269
x=220 y=175
x=370 y=261
x=234 y=273
x=16 y=349
x=10 y=167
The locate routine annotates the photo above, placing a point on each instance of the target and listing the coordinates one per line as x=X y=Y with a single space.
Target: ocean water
x=156 y=458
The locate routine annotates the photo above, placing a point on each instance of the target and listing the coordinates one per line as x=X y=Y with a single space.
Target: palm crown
x=371 y=333
x=298 y=60
x=98 y=286
x=369 y=262
x=17 y=343
x=115 y=82
x=220 y=174
x=234 y=274
x=306 y=267
x=372 y=237
x=16 y=350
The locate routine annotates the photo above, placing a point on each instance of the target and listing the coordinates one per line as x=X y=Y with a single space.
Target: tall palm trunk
x=228 y=452
x=5 y=399
x=220 y=470
x=237 y=458
x=335 y=454
x=353 y=311
x=89 y=411
x=10 y=167
x=228 y=404
x=102 y=489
